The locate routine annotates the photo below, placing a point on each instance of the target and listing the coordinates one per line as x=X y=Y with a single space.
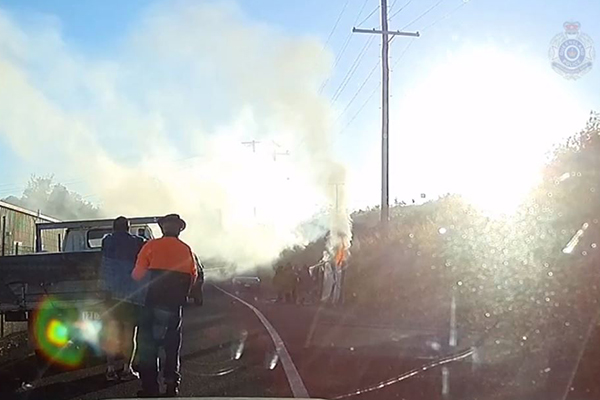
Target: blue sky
x=523 y=30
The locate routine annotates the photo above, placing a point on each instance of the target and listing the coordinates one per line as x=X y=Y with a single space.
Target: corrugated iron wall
x=19 y=237
x=19 y=233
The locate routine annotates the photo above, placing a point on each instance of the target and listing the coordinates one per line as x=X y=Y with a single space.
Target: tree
x=54 y=199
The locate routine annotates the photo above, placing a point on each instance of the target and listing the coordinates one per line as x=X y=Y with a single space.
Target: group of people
x=295 y=284
x=147 y=284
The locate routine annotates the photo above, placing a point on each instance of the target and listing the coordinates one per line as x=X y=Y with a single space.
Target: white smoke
x=157 y=125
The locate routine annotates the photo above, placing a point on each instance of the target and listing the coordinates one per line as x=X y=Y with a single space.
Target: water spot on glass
x=584 y=253
x=351 y=348
x=410 y=235
x=459 y=283
x=550 y=273
x=579 y=174
x=433 y=267
x=487 y=315
x=524 y=338
x=418 y=253
x=549 y=194
x=442 y=230
x=547 y=299
x=595 y=220
x=547 y=370
x=593 y=189
x=497 y=341
x=594 y=245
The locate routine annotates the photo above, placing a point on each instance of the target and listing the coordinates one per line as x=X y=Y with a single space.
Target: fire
x=340 y=256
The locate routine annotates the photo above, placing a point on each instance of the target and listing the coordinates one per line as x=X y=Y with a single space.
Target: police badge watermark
x=572 y=52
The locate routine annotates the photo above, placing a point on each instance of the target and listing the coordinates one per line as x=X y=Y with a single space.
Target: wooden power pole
x=385 y=96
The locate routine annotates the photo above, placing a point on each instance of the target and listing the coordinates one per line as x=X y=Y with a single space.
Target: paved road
x=228 y=351
x=225 y=353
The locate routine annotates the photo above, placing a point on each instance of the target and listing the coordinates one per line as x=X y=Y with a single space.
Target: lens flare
x=57 y=333
x=53 y=329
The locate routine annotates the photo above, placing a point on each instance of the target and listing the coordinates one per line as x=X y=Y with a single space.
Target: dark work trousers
x=159 y=328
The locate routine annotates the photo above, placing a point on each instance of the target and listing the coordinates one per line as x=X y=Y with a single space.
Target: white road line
x=293 y=377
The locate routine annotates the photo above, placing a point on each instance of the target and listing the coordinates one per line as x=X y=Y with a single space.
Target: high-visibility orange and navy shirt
x=165 y=254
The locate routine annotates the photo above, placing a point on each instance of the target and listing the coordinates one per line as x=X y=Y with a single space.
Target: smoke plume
x=165 y=122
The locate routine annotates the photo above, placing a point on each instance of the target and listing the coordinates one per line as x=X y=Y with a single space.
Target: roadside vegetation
x=521 y=274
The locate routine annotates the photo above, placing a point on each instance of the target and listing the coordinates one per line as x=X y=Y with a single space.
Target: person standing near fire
x=124 y=299
x=171 y=266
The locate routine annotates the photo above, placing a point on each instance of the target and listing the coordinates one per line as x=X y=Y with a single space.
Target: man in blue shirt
x=125 y=296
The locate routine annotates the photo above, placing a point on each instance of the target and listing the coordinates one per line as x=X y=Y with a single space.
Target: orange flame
x=340 y=256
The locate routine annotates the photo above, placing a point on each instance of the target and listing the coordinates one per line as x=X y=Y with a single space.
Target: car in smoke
x=196 y=295
x=246 y=284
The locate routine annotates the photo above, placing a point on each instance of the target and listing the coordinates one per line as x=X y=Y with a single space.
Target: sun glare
x=481 y=124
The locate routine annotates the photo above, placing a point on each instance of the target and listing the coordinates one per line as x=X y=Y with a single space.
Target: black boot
x=172 y=390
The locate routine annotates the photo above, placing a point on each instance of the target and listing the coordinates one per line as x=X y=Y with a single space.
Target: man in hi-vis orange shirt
x=172 y=269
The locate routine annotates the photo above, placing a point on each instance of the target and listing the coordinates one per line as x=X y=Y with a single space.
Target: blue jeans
x=159 y=328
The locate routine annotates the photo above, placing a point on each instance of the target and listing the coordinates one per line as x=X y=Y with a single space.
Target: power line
x=448 y=14
x=403 y=53
x=352 y=69
x=360 y=88
x=368 y=16
x=337 y=21
x=18 y=190
x=424 y=14
x=344 y=47
x=361 y=107
x=376 y=88
x=374 y=67
x=349 y=36
x=401 y=8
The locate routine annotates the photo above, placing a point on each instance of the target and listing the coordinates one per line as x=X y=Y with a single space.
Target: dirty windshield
x=336 y=199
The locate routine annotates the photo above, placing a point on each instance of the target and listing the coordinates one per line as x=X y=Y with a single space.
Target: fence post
x=452 y=344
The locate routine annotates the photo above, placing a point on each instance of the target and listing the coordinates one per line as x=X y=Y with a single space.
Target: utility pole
x=252 y=143
x=385 y=96
x=275 y=154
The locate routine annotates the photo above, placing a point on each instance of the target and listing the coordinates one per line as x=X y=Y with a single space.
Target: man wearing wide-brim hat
x=172 y=269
